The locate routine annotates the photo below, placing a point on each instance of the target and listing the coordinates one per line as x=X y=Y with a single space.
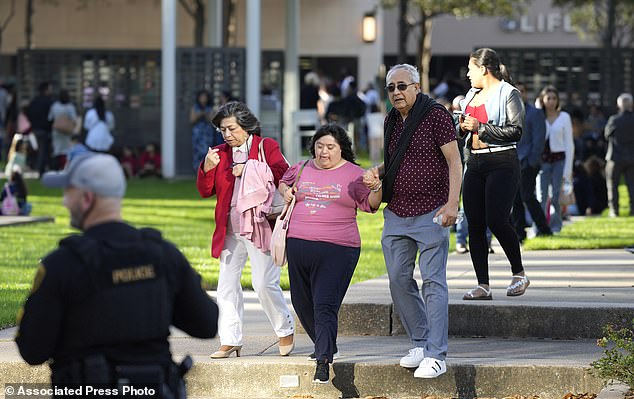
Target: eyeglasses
x=401 y=87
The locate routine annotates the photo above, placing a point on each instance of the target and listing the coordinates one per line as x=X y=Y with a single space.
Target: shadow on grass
x=10 y=300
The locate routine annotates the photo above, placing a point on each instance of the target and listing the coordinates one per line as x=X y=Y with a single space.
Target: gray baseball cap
x=100 y=173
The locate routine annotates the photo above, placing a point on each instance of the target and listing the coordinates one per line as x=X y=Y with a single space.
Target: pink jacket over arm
x=255 y=194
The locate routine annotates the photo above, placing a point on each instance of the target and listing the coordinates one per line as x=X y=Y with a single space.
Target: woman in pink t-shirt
x=323 y=242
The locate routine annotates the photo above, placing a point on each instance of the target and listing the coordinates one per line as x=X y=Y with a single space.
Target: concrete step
x=593 y=284
x=570 y=321
x=483 y=367
x=573 y=294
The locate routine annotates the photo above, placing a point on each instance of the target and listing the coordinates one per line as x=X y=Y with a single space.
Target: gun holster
x=168 y=382
x=93 y=369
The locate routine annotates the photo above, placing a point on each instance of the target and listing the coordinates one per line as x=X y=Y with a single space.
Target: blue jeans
x=462 y=232
x=551 y=177
x=25 y=210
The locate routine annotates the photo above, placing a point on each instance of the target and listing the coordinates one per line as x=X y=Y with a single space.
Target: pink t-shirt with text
x=327 y=202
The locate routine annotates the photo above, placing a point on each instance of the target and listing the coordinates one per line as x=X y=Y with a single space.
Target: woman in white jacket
x=99 y=124
x=558 y=155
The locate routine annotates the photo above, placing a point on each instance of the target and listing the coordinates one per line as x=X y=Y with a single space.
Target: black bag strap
x=419 y=111
x=300 y=173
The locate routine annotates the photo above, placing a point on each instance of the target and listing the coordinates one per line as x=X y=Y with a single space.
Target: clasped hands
x=371 y=179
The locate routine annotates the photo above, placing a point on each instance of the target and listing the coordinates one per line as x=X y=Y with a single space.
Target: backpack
x=10 y=203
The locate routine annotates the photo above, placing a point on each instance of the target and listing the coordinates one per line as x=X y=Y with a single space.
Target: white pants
x=265 y=277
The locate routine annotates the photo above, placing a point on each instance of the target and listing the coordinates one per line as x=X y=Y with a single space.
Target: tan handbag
x=278 y=238
x=278 y=202
x=566 y=196
x=64 y=124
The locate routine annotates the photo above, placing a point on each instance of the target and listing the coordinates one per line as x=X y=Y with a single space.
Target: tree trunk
x=403 y=32
x=610 y=28
x=5 y=23
x=28 y=30
x=424 y=50
x=199 y=24
x=610 y=61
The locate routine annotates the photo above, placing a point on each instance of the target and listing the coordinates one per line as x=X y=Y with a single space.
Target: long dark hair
x=100 y=107
x=64 y=96
x=340 y=136
x=242 y=113
x=489 y=59
x=549 y=89
x=206 y=93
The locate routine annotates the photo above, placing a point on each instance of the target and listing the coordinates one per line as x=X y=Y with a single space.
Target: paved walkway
x=583 y=278
x=17 y=220
x=587 y=278
x=595 y=278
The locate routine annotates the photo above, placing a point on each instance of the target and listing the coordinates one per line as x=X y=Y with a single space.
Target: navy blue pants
x=320 y=274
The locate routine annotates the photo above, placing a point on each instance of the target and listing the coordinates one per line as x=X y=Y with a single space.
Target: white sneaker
x=413 y=358
x=461 y=248
x=312 y=358
x=430 y=368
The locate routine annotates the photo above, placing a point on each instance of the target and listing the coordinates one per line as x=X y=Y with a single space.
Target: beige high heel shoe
x=286 y=350
x=221 y=354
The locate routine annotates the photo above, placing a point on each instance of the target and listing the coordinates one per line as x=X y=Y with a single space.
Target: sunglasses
x=401 y=87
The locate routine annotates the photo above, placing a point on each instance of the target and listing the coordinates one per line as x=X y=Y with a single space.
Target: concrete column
x=253 y=56
x=168 y=87
x=291 y=80
x=214 y=23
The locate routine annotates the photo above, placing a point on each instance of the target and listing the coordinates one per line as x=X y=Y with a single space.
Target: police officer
x=102 y=304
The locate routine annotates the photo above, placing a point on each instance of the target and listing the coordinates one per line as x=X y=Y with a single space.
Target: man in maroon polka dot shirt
x=421 y=174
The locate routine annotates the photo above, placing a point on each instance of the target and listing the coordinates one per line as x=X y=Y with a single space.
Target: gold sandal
x=479 y=293
x=518 y=286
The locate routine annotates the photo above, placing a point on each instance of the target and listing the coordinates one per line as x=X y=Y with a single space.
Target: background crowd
x=40 y=134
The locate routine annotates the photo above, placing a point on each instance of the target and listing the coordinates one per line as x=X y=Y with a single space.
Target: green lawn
x=175 y=208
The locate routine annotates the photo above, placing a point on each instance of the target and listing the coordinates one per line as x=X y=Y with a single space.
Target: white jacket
x=560 y=139
x=99 y=137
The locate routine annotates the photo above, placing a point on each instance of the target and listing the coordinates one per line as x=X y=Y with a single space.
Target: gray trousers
x=613 y=173
x=426 y=317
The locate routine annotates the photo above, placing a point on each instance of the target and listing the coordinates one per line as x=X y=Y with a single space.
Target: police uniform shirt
x=115 y=290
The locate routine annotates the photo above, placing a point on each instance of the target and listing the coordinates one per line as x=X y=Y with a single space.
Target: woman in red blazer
x=219 y=174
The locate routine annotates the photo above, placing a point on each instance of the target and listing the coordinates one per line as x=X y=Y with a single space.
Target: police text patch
x=131 y=274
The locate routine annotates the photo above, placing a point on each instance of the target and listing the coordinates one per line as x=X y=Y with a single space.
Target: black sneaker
x=544 y=233
x=322 y=372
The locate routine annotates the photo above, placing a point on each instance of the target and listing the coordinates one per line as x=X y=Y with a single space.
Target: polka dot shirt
x=422 y=181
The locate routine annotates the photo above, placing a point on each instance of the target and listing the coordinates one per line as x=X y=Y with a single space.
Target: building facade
x=539 y=46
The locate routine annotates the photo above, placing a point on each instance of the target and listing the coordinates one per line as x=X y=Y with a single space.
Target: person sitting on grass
x=18 y=154
x=17 y=188
x=150 y=162
x=129 y=162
